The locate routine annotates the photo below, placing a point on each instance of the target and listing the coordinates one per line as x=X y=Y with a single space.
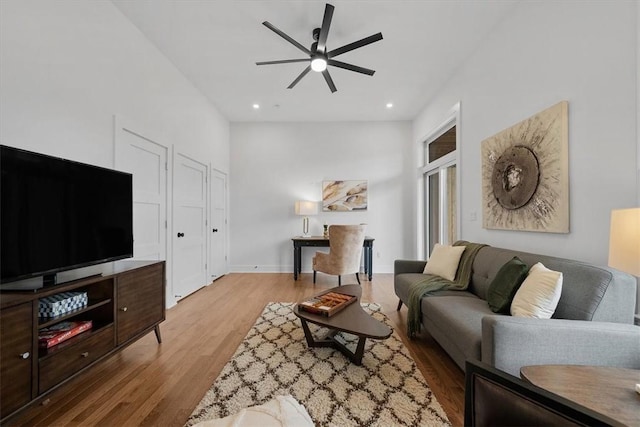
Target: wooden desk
x=320 y=241
x=609 y=391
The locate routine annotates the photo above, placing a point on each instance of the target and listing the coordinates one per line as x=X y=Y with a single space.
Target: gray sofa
x=592 y=325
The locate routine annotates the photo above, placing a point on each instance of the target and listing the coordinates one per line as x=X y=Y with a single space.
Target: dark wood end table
x=352 y=320
x=608 y=391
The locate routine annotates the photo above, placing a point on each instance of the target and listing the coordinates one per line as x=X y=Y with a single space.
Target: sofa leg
x=314 y=276
x=339 y=281
x=399 y=304
x=358 y=279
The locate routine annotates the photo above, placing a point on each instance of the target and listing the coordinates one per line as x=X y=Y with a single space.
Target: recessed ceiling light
x=256 y=106
x=389 y=105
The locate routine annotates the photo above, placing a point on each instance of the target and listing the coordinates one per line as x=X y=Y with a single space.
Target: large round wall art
x=525 y=176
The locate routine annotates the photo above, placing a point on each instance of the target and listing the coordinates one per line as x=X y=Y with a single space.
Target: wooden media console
x=124 y=304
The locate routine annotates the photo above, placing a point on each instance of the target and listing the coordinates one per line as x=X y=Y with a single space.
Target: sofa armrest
x=509 y=343
x=401 y=266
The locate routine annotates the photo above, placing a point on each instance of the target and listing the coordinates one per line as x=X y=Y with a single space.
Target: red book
x=62 y=331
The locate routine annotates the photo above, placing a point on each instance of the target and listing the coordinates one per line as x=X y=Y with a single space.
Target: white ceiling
x=215 y=44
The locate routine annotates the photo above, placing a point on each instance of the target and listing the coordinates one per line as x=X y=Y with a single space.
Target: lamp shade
x=305 y=207
x=624 y=240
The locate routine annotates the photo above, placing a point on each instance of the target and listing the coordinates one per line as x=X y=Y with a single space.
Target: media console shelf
x=124 y=303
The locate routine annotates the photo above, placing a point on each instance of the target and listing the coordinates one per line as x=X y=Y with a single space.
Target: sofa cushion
x=539 y=294
x=505 y=285
x=444 y=261
x=460 y=317
x=589 y=292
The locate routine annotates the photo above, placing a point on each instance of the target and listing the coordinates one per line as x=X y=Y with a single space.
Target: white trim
x=638 y=115
x=212 y=171
x=451 y=119
x=122 y=124
x=174 y=154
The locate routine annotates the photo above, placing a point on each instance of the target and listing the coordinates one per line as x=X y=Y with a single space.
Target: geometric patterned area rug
x=273 y=359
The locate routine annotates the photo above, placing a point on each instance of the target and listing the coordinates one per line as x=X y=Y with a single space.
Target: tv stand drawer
x=63 y=363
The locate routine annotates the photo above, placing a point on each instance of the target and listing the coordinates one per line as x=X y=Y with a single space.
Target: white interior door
x=189 y=225
x=147 y=161
x=218 y=228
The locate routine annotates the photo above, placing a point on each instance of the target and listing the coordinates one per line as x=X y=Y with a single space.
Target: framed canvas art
x=344 y=196
x=525 y=174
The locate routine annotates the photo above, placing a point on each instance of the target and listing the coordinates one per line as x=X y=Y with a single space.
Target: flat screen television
x=58 y=215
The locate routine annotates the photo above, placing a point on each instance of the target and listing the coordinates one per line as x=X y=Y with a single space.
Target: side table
x=609 y=391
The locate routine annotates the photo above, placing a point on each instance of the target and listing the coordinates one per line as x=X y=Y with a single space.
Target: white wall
x=275 y=164
x=67 y=67
x=545 y=52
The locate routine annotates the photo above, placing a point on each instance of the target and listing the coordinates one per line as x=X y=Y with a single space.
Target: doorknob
x=180 y=234
x=215 y=230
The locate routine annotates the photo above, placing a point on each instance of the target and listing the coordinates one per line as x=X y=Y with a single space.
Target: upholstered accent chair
x=345 y=250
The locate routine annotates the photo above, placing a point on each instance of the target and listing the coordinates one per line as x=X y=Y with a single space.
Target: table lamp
x=624 y=241
x=306 y=208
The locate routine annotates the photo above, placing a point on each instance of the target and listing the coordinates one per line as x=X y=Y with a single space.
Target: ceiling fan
x=319 y=58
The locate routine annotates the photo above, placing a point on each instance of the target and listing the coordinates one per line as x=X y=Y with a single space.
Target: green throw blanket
x=432 y=283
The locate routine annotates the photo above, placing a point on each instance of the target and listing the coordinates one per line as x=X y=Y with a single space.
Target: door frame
x=174 y=154
x=122 y=124
x=213 y=170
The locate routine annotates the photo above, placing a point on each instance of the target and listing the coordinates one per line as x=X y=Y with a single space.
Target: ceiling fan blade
x=355 y=45
x=302 y=74
x=282 y=61
x=286 y=37
x=329 y=80
x=324 y=30
x=350 y=67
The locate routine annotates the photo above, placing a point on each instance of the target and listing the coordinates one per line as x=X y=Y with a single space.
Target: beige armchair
x=345 y=249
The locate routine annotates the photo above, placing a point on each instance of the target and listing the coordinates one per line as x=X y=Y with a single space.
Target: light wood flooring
x=160 y=384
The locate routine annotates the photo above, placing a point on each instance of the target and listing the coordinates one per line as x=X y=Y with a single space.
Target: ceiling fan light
x=318 y=64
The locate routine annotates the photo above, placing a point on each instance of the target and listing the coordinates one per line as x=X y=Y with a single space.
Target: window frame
x=440 y=166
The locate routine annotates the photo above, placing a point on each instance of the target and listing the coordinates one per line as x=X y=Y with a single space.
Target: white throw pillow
x=539 y=294
x=444 y=261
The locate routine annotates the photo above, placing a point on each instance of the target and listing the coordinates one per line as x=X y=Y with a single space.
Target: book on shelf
x=327 y=304
x=53 y=335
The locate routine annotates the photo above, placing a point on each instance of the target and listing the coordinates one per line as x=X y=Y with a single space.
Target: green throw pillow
x=505 y=285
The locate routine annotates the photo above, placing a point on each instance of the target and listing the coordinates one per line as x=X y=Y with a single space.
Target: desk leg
x=366 y=260
x=370 y=262
x=296 y=262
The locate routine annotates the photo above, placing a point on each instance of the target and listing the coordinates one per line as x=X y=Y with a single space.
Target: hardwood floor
x=160 y=384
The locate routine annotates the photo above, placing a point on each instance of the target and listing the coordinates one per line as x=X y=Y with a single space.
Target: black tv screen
x=57 y=215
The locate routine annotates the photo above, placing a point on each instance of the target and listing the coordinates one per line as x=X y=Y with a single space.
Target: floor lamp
x=624 y=241
x=306 y=208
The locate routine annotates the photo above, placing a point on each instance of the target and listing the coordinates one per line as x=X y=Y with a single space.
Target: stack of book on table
x=327 y=304
x=54 y=335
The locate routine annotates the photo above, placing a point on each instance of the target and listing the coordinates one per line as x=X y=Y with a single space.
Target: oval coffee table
x=352 y=320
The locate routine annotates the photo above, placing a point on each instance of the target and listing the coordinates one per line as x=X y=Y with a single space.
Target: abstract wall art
x=525 y=174
x=344 y=196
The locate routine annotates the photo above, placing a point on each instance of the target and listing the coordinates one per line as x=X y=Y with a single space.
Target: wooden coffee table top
x=609 y=391
x=352 y=319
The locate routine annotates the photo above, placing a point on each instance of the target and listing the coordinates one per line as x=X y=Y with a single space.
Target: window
x=440 y=186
